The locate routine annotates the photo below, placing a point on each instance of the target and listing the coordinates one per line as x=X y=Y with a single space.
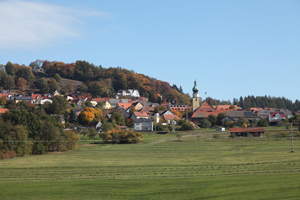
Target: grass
x=196 y=167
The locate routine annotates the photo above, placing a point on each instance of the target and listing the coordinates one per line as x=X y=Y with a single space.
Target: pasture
x=196 y=167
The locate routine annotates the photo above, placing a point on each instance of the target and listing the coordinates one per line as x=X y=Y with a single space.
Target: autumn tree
x=21 y=83
x=26 y=73
x=86 y=116
x=3 y=101
x=177 y=113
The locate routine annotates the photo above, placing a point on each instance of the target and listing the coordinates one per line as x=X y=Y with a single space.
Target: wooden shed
x=245 y=132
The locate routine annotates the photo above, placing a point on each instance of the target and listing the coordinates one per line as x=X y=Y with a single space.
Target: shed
x=245 y=132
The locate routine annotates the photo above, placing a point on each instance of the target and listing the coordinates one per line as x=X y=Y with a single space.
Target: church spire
x=195 y=88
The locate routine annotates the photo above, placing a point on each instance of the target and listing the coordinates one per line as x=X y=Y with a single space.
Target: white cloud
x=29 y=24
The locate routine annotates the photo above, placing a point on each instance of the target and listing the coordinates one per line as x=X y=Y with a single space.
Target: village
x=141 y=115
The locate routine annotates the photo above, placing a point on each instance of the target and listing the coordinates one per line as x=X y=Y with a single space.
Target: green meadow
x=198 y=166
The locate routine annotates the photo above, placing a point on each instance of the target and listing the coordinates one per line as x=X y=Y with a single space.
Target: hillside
x=88 y=78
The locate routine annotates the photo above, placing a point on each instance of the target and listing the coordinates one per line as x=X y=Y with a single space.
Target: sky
x=231 y=48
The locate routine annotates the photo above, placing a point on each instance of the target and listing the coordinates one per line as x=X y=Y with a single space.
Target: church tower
x=196 y=98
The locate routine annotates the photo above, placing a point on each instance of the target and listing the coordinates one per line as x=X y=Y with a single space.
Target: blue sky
x=232 y=48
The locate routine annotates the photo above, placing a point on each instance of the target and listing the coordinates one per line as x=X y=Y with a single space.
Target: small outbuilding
x=245 y=132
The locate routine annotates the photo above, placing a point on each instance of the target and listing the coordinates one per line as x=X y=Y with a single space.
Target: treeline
x=258 y=102
x=28 y=130
x=267 y=101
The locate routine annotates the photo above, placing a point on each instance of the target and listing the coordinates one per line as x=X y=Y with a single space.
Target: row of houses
x=234 y=113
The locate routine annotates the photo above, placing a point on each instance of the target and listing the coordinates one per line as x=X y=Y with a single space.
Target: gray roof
x=243 y=114
x=143 y=120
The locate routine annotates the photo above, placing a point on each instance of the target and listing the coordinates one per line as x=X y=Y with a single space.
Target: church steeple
x=196 y=98
x=195 y=88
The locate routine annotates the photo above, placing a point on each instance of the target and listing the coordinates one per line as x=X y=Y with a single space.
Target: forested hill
x=105 y=82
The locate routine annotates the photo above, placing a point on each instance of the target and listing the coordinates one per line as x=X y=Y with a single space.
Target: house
x=140 y=115
x=245 y=132
x=21 y=98
x=56 y=93
x=143 y=124
x=43 y=101
x=124 y=112
x=129 y=93
x=137 y=106
x=113 y=102
x=124 y=105
x=236 y=115
x=134 y=93
x=96 y=125
x=169 y=118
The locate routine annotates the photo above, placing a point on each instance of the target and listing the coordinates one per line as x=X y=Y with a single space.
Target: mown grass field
x=196 y=167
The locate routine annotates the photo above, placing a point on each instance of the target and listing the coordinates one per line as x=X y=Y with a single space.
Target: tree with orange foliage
x=21 y=83
x=177 y=113
x=86 y=116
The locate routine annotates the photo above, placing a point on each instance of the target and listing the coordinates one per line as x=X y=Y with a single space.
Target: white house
x=143 y=124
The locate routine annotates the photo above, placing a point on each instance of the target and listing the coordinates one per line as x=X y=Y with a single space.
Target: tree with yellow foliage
x=86 y=116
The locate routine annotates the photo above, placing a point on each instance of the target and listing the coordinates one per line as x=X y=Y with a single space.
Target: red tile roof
x=3 y=110
x=171 y=117
x=141 y=114
x=102 y=99
x=4 y=95
x=247 y=130
x=125 y=105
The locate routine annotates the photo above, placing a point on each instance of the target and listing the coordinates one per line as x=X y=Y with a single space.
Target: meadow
x=198 y=166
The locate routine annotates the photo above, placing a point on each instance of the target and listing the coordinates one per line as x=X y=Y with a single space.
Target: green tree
x=8 y=82
x=262 y=122
x=59 y=105
x=19 y=140
x=10 y=68
x=212 y=119
x=241 y=122
x=187 y=126
x=53 y=86
x=206 y=123
x=42 y=85
x=26 y=73
x=92 y=133
x=118 y=117
x=57 y=77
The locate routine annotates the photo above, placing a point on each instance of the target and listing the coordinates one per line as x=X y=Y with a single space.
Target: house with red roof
x=140 y=115
x=277 y=116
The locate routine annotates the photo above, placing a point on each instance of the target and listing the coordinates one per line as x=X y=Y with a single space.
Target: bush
x=187 y=126
x=8 y=154
x=232 y=135
x=122 y=136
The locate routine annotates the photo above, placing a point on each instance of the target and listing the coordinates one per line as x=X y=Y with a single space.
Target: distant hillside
x=103 y=82
x=88 y=78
